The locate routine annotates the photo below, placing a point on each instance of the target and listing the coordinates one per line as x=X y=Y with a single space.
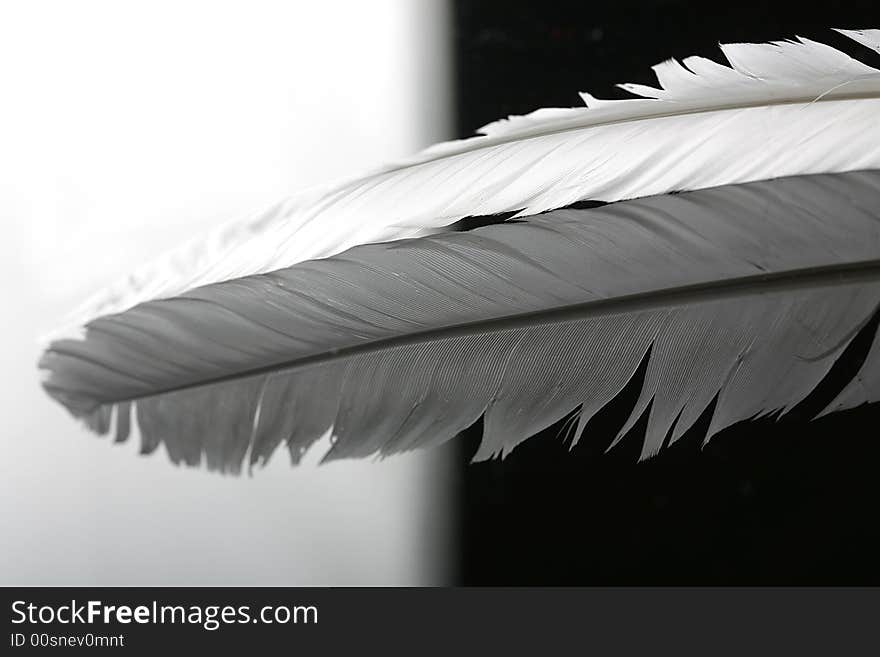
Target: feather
x=744 y=294
x=780 y=109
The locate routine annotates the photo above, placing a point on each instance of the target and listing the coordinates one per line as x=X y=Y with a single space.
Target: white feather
x=869 y=38
x=780 y=109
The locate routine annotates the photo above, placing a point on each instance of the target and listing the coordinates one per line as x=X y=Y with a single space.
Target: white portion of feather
x=780 y=109
x=869 y=38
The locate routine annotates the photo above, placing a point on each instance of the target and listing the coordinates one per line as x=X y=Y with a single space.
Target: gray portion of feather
x=388 y=345
x=864 y=386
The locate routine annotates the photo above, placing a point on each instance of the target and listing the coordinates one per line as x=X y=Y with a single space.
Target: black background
x=766 y=502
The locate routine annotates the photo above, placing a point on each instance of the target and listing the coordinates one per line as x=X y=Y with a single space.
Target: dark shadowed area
x=787 y=501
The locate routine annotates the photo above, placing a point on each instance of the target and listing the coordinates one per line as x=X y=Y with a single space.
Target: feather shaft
x=831 y=276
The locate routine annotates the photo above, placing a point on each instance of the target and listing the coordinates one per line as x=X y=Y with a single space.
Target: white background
x=126 y=127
